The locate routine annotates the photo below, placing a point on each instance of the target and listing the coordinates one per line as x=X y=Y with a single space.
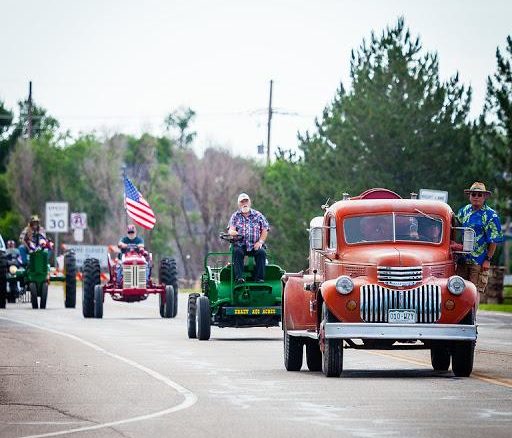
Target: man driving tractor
x=253 y=228
x=31 y=237
x=129 y=241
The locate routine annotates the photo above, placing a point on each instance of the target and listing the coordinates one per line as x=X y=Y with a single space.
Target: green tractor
x=224 y=303
x=33 y=279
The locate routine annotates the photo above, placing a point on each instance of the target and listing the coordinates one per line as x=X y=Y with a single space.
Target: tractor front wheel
x=203 y=318
x=169 y=302
x=168 y=275
x=191 y=315
x=98 y=301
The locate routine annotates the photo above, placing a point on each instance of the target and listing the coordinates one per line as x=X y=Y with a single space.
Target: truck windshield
x=393 y=227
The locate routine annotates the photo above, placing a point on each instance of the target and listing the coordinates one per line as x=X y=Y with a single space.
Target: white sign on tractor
x=57 y=217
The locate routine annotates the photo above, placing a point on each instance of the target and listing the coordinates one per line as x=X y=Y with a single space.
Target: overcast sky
x=123 y=65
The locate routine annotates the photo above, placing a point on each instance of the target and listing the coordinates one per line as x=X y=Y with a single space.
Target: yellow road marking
x=494 y=380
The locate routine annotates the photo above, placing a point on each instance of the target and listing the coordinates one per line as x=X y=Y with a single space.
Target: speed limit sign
x=57 y=217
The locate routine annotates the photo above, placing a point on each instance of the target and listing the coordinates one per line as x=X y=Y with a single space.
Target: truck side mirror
x=316 y=238
x=468 y=242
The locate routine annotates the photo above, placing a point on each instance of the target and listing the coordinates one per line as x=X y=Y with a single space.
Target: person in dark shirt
x=131 y=238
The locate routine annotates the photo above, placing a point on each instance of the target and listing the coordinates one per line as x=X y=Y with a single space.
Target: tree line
x=397 y=126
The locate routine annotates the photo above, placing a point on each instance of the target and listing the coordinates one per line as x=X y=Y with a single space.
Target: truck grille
x=134 y=276
x=400 y=276
x=377 y=300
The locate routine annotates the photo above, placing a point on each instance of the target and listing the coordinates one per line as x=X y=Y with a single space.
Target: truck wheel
x=33 y=295
x=98 y=301
x=313 y=355
x=168 y=275
x=463 y=352
x=90 y=279
x=293 y=352
x=169 y=301
x=191 y=315
x=3 y=281
x=332 y=356
x=44 y=295
x=70 y=286
x=440 y=358
x=203 y=318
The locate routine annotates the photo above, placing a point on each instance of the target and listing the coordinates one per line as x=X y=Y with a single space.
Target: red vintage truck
x=381 y=276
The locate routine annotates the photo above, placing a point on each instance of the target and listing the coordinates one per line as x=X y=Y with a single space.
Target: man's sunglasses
x=131 y=232
x=477 y=194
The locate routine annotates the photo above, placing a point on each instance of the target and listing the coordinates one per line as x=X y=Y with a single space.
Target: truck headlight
x=344 y=284
x=456 y=285
x=13 y=269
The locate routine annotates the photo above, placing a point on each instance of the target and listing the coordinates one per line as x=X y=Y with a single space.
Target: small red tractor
x=130 y=280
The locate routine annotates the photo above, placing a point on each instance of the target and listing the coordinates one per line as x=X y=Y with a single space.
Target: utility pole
x=269 y=123
x=30 y=110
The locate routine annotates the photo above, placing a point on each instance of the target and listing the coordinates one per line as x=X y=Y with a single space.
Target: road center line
x=488 y=379
x=189 y=397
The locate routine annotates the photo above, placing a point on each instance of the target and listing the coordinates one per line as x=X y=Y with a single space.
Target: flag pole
x=124 y=199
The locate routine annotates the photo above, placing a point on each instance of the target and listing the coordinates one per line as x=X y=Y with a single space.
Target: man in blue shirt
x=486 y=224
x=253 y=227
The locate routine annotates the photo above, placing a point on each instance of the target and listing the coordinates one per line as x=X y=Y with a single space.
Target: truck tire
x=98 y=301
x=313 y=355
x=33 y=295
x=3 y=280
x=168 y=275
x=293 y=352
x=332 y=356
x=463 y=352
x=44 y=295
x=440 y=358
x=90 y=279
x=70 y=285
x=203 y=318
x=191 y=315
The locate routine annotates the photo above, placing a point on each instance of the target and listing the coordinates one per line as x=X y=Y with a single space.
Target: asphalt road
x=134 y=374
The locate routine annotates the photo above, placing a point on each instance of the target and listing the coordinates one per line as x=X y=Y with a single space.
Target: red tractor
x=130 y=280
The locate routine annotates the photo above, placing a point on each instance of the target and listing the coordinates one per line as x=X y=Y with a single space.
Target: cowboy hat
x=477 y=187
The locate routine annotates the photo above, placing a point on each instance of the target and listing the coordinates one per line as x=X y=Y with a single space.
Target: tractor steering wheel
x=229 y=238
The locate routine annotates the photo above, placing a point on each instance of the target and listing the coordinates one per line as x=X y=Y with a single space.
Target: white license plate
x=401 y=316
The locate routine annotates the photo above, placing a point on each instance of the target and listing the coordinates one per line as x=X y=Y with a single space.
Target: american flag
x=137 y=207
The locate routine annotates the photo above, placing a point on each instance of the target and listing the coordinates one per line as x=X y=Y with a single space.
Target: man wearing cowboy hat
x=486 y=224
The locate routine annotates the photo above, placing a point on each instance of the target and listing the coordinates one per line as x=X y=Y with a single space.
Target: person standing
x=253 y=228
x=486 y=224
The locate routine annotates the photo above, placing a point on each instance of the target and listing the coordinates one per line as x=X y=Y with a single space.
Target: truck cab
x=382 y=276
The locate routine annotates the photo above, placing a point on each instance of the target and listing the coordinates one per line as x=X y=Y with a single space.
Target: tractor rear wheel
x=98 y=301
x=293 y=352
x=313 y=355
x=203 y=318
x=70 y=286
x=168 y=275
x=3 y=281
x=90 y=279
x=44 y=295
x=33 y=295
x=332 y=356
x=191 y=315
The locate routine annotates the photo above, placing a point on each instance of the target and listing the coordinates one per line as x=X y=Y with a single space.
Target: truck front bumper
x=438 y=332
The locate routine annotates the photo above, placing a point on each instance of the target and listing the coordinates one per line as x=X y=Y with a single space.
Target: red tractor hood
x=396 y=255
